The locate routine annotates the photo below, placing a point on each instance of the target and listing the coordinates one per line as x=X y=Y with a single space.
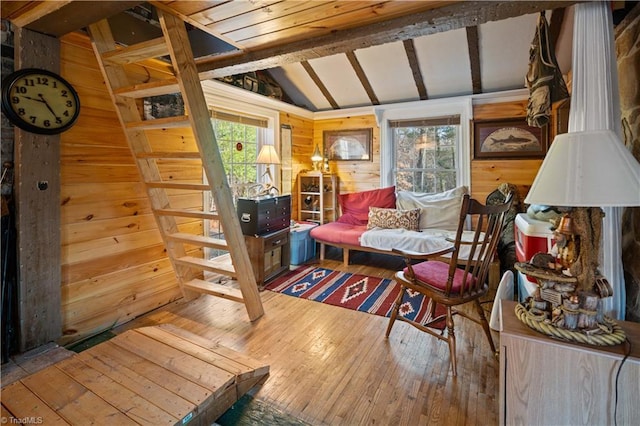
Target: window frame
x=429 y=109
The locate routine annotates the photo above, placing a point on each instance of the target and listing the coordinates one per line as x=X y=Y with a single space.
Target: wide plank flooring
x=332 y=366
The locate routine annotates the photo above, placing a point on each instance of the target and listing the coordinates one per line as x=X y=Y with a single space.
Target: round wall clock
x=39 y=101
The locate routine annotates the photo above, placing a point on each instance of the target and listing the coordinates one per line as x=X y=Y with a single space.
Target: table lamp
x=317 y=158
x=582 y=172
x=268 y=156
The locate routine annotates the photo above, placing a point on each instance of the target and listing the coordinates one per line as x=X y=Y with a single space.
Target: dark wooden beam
x=37 y=177
x=353 y=60
x=432 y=21
x=557 y=17
x=56 y=18
x=474 y=59
x=316 y=79
x=410 y=50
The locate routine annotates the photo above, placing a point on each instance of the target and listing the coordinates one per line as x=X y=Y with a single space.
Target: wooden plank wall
x=487 y=175
x=114 y=265
x=301 y=150
x=353 y=176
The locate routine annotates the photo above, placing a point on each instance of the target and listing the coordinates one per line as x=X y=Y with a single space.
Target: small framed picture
x=348 y=145
x=509 y=138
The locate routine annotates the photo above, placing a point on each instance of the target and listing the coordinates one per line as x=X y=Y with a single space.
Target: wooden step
x=198 y=240
x=179 y=185
x=214 y=289
x=179 y=121
x=185 y=155
x=195 y=214
x=160 y=375
x=138 y=52
x=224 y=268
x=153 y=88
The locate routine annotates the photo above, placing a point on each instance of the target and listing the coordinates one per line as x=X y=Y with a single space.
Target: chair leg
x=451 y=339
x=485 y=325
x=394 y=311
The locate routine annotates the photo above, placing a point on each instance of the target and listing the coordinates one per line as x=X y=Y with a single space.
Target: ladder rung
x=179 y=185
x=138 y=52
x=214 y=289
x=173 y=154
x=196 y=214
x=160 y=123
x=199 y=240
x=153 y=88
x=224 y=268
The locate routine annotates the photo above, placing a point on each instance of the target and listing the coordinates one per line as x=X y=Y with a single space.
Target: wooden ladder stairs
x=126 y=93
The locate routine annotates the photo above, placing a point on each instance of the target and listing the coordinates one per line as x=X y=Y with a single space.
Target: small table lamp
x=268 y=156
x=582 y=172
x=317 y=158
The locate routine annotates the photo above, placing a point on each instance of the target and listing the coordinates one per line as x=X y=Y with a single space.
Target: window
x=425 y=153
x=424 y=145
x=239 y=140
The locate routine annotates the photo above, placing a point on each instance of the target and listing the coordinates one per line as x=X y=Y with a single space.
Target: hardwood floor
x=332 y=366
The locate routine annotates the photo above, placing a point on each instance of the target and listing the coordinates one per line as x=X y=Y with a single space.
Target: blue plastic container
x=303 y=247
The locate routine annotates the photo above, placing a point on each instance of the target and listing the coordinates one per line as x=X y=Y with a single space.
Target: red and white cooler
x=532 y=236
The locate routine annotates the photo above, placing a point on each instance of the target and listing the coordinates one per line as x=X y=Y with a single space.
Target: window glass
x=425 y=154
x=239 y=146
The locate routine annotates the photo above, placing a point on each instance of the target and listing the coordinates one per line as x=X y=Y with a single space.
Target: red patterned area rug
x=356 y=292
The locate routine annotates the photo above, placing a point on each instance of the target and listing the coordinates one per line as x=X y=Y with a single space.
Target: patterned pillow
x=393 y=218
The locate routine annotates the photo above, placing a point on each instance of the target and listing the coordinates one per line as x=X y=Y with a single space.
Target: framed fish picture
x=509 y=138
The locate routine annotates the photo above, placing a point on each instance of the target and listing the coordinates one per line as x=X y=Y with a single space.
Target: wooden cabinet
x=545 y=381
x=269 y=254
x=317 y=199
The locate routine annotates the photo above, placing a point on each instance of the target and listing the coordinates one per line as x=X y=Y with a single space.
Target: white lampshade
x=268 y=155
x=587 y=169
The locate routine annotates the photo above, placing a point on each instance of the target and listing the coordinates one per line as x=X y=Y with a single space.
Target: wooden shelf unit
x=317 y=197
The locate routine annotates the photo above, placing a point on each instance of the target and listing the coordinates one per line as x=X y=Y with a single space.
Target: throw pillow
x=393 y=218
x=355 y=206
x=439 y=211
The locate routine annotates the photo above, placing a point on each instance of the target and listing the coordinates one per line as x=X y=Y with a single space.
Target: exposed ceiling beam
x=557 y=17
x=474 y=59
x=450 y=17
x=316 y=79
x=410 y=50
x=58 y=18
x=362 y=76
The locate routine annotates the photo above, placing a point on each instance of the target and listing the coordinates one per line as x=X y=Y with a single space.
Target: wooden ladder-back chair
x=460 y=279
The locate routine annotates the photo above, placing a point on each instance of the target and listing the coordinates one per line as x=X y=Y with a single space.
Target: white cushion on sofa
x=440 y=210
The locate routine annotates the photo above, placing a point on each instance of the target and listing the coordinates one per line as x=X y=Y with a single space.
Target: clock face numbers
x=41 y=102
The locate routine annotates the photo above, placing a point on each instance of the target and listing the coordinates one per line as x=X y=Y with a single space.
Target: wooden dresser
x=545 y=381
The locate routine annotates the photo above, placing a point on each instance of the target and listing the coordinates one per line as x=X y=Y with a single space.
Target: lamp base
x=561 y=308
x=607 y=333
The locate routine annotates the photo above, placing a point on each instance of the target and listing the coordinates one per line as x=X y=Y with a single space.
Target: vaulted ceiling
x=338 y=54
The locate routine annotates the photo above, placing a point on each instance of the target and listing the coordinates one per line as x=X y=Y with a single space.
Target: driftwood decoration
x=587 y=224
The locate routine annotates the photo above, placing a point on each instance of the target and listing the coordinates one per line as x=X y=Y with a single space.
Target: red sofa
x=438 y=211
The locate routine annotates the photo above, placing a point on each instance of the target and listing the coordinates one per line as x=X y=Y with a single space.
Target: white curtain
x=595 y=105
